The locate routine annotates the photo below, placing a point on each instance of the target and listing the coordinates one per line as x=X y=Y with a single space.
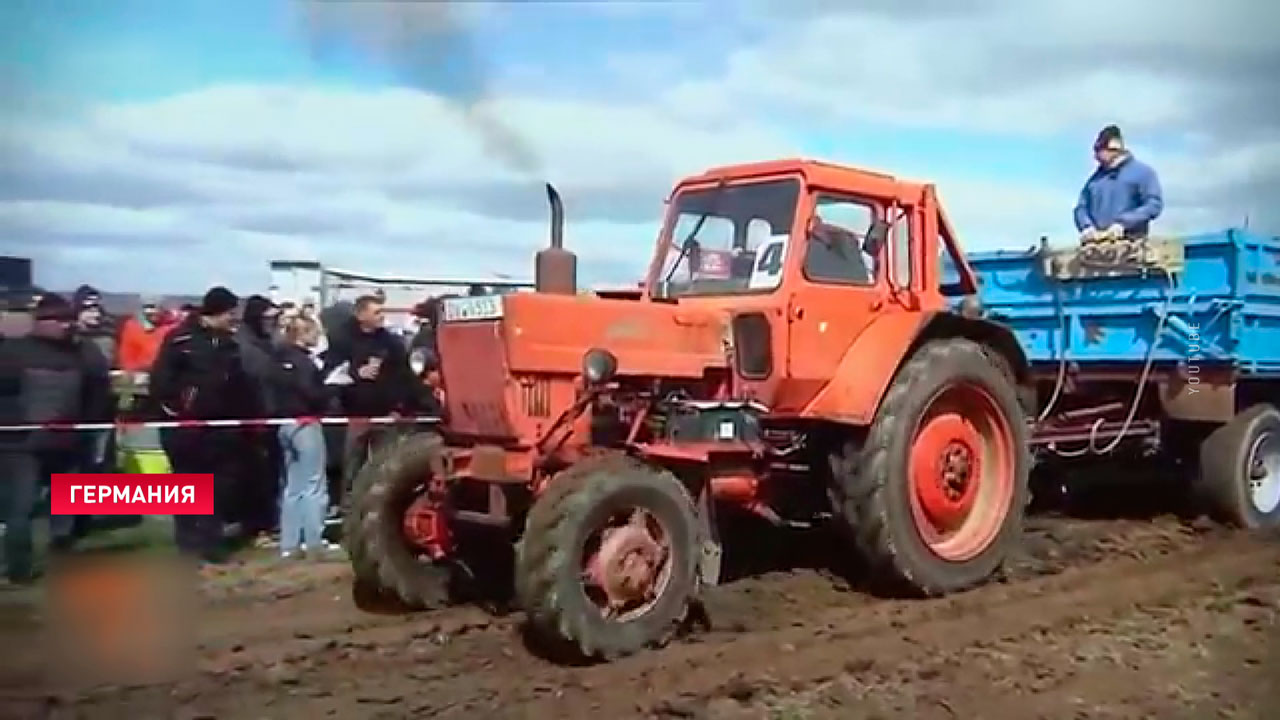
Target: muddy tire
x=934 y=496
x=565 y=611
x=1239 y=479
x=388 y=570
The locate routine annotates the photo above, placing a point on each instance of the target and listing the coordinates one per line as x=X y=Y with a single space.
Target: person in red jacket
x=140 y=337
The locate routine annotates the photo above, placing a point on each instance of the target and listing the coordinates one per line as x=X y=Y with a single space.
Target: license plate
x=480 y=307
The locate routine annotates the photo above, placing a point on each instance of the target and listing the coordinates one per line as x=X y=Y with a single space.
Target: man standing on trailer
x=1121 y=197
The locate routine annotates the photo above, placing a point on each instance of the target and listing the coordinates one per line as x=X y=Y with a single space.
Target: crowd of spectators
x=66 y=360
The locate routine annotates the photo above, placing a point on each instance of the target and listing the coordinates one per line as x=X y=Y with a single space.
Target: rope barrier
x=228 y=423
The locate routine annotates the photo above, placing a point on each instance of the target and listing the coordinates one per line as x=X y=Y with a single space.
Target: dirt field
x=1097 y=618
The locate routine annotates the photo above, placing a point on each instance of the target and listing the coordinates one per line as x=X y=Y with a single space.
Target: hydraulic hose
x=1148 y=363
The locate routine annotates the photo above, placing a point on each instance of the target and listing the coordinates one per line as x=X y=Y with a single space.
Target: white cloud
x=1021 y=68
x=402 y=181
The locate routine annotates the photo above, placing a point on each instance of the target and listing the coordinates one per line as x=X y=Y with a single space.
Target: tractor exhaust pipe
x=555 y=269
x=557 y=217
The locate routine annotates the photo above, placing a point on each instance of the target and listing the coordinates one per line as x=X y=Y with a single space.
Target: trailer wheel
x=606 y=566
x=1239 y=479
x=388 y=570
x=934 y=497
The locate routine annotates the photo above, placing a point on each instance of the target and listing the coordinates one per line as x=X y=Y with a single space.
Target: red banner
x=121 y=494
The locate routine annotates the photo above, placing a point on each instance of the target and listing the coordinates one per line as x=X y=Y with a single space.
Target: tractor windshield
x=727 y=240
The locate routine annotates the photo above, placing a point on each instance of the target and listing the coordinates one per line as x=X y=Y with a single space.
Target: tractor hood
x=549 y=333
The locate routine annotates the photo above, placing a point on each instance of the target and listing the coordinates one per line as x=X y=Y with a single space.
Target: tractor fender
x=995 y=336
x=861 y=379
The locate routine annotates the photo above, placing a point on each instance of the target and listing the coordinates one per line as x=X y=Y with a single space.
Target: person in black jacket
x=94 y=326
x=382 y=383
x=47 y=376
x=258 y=473
x=424 y=355
x=198 y=375
x=300 y=393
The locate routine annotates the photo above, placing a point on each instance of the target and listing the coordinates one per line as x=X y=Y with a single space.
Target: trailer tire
x=951 y=414
x=386 y=569
x=563 y=617
x=1239 y=478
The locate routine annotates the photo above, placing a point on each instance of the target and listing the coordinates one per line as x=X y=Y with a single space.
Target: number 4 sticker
x=768 y=268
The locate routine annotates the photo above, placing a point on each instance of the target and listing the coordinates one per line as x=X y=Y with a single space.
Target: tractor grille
x=535 y=395
x=473 y=365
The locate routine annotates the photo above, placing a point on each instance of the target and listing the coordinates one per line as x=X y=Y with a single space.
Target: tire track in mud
x=766 y=601
x=323 y=605
x=463 y=664
x=678 y=682
x=1212 y=654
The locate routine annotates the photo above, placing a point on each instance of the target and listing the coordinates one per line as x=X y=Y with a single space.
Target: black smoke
x=429 y=47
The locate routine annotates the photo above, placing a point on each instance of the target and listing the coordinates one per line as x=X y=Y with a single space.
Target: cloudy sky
x=165 y=145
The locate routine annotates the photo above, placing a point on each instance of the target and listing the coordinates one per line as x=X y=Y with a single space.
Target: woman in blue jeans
x=301 y=393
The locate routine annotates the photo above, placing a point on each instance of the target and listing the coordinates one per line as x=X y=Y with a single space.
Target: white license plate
x=480 y=307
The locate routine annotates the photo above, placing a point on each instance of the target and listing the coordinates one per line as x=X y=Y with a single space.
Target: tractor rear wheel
x=934 y=497
x=1239 y=478
x=388 y=568
x=606 y=566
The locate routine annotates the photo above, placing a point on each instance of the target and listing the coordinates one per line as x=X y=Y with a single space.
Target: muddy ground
x=1096 y=618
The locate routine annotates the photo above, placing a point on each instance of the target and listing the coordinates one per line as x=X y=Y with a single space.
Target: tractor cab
x=733 y=239
x=802 y=257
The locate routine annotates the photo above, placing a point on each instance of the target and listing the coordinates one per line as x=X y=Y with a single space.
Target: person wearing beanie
x=53 y=308
x=219 y=304
x=86 y=295
x=49 y=375
x=92 y=322
x=199 y=375
x=1122 y=196
x=94 y=327
x=86 y=298
x=258 y=472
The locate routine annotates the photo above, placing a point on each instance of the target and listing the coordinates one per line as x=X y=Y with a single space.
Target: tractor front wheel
x=934 y=497
x=606 y=566
x=390 y=569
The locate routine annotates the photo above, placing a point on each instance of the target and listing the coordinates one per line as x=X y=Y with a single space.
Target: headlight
x=418 y=361
x=599 y=366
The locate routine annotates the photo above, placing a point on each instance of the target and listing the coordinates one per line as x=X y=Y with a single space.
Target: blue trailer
x=1167 y=346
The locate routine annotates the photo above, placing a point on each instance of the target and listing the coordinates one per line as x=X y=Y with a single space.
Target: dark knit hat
x=86 y=296
x=217 y=301
x=1108 y=135
x=54 y=307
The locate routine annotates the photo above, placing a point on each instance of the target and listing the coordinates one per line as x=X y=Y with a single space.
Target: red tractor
x=792 y=354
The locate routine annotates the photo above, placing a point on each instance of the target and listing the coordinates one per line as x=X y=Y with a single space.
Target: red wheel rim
x=626 y=565
x=961 y=470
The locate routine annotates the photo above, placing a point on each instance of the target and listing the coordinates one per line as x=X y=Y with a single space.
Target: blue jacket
x=1128 y=194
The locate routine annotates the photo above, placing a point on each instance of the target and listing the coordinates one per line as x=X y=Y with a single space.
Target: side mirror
x=877 y=236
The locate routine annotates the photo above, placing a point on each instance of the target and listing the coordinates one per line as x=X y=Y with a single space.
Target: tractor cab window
x=948 y=273
x=837 y=251
x=727 y=240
